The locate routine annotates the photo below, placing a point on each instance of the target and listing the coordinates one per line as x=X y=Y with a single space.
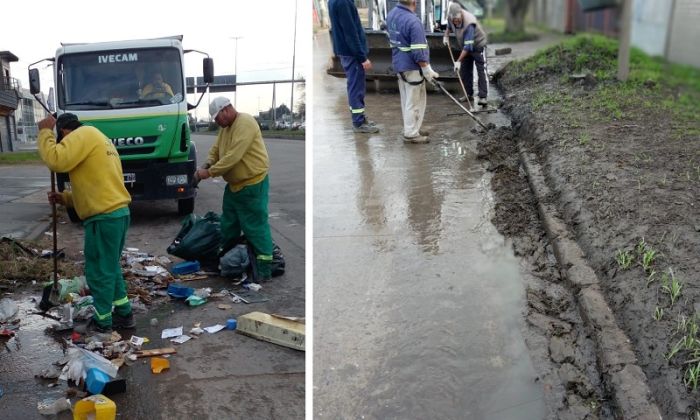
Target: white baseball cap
x=217 y=105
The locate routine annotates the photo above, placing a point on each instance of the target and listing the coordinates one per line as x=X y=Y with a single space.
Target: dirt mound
x=623 y=162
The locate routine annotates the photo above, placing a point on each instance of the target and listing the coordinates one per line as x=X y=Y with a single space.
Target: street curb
x=624 y=379
x=37 y=231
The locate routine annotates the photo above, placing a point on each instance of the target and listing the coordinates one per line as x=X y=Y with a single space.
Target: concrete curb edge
x=617 y=362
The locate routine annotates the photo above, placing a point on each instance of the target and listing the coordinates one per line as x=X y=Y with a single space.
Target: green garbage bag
x=198 y=238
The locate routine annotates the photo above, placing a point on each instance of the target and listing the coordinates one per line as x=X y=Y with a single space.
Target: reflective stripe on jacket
x=407 y=39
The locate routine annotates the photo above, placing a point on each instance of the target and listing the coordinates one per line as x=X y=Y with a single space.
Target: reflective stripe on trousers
x=356 y=87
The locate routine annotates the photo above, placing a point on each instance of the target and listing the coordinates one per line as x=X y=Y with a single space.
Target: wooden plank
x=275 y=330
x=155 y=352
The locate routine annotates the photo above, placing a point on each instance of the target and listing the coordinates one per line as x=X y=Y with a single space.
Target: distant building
x=9 y=97
x=28 y=114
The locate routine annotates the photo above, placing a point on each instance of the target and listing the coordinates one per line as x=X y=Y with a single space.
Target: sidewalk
x=23 y=204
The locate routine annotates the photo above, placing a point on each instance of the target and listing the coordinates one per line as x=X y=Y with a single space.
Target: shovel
x=50 y=296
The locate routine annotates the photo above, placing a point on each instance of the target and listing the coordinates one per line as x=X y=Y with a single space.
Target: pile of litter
x=26 y=262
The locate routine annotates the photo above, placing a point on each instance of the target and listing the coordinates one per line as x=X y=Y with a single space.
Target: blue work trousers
x=356 y=88
x=478 y=59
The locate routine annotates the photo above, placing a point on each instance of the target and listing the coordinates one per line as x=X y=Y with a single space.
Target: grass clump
x=654 y=86
x=19 y=157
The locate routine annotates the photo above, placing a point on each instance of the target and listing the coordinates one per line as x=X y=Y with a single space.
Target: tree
x=515 y=15
x=281 y=110
x=301 y=102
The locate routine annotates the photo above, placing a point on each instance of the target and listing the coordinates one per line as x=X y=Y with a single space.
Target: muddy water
x=418 y=300
x=30 y=351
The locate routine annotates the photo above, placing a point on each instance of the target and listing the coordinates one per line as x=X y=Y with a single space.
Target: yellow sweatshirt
x=94 y=168
x=239 y=154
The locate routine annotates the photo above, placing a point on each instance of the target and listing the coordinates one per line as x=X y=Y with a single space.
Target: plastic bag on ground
x=198 y=238
x=8 y=309
x=235 y=262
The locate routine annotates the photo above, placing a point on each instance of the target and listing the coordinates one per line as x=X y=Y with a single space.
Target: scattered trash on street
x=53 y=407
x=97 y=407
x=214 y=328
x=159 y=364
x=273 y=329
x=171 y=332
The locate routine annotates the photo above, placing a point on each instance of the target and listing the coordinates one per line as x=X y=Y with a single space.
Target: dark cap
x=68 y=121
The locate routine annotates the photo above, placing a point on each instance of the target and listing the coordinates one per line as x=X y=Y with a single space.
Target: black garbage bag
x=235 y=262
x=277 y=261
x=198 y=238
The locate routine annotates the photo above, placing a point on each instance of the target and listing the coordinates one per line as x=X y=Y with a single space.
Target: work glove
x=195 y=180
x=429 y=73
x=458 y=65
x=446 y=41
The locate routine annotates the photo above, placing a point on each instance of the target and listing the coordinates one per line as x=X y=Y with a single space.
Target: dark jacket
x=346 y=29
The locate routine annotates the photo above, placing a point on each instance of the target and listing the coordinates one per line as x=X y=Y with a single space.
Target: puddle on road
x=418 y=299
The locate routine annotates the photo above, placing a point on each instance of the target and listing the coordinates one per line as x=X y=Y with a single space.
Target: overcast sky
x=33 y=30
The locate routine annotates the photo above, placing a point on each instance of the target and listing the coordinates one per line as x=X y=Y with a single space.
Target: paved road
x=418 y=300
x=225 y=375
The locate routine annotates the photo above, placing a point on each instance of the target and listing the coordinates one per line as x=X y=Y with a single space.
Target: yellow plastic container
x=158 y=364
x=97 y=407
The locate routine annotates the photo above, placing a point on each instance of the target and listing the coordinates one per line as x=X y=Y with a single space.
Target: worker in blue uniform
x=350 y=46
x=410 y=59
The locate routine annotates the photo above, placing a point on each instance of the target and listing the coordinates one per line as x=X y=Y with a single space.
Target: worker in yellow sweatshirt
x=240 y=157
x=100 y=199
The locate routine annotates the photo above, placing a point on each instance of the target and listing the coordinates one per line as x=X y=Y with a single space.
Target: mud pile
x=623 y=163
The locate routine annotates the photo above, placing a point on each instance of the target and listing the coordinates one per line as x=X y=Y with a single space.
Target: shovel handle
x=55 y=239
x=460 y=78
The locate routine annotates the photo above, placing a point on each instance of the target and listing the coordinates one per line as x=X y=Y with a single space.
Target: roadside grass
x=495 y=28
x=654 y=86
x=300 y=134
x=284 y=133
x=19 y=157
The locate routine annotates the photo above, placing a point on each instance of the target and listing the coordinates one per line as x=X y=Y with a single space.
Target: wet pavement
x=418 y=300
x=223 y=375
x=23 y=200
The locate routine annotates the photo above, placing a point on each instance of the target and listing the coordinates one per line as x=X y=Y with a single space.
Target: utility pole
x=623 y=55
x=235 y=67
x=294 y=53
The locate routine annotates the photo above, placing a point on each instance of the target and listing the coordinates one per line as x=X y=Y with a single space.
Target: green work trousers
x=246 y=211
x=105 y=235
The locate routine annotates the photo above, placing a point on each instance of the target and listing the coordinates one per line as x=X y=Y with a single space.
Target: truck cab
x=134 y=92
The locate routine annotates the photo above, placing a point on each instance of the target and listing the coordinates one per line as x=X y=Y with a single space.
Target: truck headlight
x=171 y=180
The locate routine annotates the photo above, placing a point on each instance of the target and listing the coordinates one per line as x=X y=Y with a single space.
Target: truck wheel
x=185 y=206
x=72 y=215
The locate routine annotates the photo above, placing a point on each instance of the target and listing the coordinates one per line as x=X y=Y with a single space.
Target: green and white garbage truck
x=134 y=92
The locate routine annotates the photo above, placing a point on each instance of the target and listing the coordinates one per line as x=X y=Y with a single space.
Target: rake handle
x=55 y=239
x=459 y=77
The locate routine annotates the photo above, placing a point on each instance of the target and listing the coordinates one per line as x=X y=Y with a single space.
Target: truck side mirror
x=208 y=68
x=34 y=83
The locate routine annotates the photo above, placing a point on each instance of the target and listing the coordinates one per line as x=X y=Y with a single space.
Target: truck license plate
x=129 y=178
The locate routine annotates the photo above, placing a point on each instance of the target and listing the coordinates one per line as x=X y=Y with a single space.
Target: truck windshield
x=130 y=78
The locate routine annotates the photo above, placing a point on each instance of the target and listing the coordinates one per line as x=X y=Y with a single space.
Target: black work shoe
x=370 y=122
x=91 y=327
x=123 y=322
